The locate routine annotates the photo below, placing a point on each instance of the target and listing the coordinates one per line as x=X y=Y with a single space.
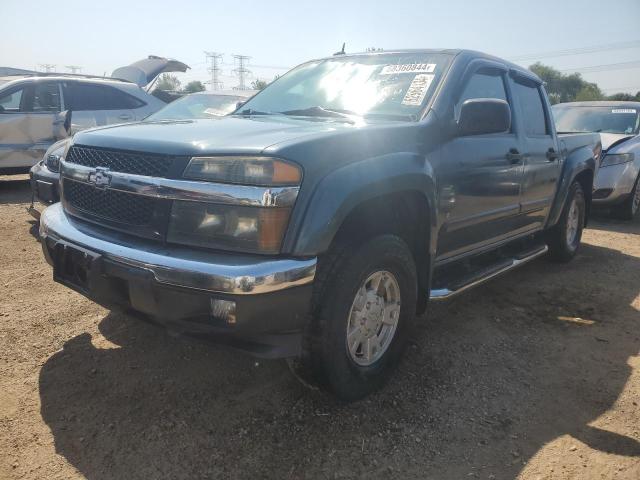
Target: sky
x=279 y=34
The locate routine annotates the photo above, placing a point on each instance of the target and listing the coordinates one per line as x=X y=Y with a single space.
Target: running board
x=482 y=276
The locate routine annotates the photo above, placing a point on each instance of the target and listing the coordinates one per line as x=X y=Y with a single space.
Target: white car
x=34 y=109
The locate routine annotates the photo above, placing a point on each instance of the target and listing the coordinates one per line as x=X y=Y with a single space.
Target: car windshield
x=200 y=105
x=605 y=119
x=394 y=86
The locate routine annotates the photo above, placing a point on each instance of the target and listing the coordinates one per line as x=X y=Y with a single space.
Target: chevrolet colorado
x=321 y=216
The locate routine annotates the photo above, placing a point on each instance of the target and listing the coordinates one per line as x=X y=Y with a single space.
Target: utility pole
x=73 y=68
x=216 y=59
x=48 y=67
x=242 y=70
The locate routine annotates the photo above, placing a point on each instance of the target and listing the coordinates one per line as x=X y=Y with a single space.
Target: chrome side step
x=487 y=274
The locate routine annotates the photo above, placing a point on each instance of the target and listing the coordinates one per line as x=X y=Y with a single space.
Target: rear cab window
x=534 y=116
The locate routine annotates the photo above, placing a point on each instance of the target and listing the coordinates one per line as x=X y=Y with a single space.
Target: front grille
x=152 y=165
x=112 y=205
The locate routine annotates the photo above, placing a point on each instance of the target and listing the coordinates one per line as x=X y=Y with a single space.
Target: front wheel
x=366 y=302
x=564 y=238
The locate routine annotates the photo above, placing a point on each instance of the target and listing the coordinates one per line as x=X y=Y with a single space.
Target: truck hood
x=145 y=71
x=239 y=135
x=613 y=139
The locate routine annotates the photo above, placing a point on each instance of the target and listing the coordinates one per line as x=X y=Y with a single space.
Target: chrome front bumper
x=226 y=273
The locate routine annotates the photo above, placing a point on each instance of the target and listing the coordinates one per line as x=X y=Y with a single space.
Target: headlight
x=259 y=171
x=616 y=159
x=228 y=227
x=52 y=160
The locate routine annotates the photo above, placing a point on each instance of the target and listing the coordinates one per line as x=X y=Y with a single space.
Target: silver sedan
x=616 y=185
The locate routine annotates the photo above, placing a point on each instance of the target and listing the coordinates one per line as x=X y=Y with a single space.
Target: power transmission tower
x=242 y=70
x=48 y=67
x=73 y=68
x=215 y=70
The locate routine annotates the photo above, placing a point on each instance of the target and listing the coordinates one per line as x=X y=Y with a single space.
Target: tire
x=345 y=298
x=563 y=239
x=629 y=209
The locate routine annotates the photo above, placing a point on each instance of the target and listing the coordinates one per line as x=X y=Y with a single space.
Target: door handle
x=552 y=155
x=514 y=156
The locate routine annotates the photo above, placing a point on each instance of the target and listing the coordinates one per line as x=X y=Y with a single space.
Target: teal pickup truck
x=317 y=220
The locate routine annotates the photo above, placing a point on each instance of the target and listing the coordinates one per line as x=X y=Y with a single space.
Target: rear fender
x=578 y=161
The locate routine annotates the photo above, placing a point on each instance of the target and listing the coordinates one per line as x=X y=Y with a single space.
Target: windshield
x=197 y=106
x=605 y=119
x=390 y=85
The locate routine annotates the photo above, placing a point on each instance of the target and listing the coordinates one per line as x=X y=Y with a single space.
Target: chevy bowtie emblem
x=100 y=177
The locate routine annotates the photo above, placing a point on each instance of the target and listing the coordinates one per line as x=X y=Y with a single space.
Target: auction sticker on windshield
x=417 y=90
x=408 y=68
x=623 y=110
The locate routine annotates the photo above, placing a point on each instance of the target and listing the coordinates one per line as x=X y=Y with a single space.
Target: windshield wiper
x=251 y=111
x=318 y=111
x=392 y=116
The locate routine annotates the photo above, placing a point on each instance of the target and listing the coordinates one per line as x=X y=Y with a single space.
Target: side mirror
x=481 y=116
x=62 y=125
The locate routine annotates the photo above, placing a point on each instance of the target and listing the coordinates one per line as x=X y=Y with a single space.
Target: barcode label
x=417 y=90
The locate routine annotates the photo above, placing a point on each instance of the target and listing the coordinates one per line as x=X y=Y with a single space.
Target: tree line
x=573 y=88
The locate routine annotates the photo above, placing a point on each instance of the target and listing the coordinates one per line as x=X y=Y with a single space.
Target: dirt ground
x=534 y=375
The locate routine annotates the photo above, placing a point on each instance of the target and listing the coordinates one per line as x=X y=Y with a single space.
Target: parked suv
x=319 y=218
x=32 y=108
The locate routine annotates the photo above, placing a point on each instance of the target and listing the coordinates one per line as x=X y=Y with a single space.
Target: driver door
x=27 y=123
x=481 y=176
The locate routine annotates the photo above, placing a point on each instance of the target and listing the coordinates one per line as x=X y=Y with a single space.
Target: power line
x=601 y=68
x=242 y=70
x=576 y=51
x=215 y=58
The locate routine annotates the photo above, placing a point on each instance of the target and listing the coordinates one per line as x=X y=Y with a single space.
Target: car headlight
x=259 y=171
x=52 y=160
x=228 y=227
x=616 y=159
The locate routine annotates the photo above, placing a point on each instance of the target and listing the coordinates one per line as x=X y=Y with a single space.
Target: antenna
x=341 y=52
x=242 y=70
x=216 y=59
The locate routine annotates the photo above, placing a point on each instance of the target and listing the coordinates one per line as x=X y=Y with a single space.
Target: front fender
x=342 y=190
x=577 y=162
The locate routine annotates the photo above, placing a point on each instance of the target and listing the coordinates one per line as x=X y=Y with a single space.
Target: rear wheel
x=564 y=238
x=629 y=209
x=365 y=304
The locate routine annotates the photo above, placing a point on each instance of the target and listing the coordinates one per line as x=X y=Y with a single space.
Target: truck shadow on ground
x=490 y=378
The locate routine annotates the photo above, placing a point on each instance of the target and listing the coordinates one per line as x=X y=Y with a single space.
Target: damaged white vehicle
x=36 y=111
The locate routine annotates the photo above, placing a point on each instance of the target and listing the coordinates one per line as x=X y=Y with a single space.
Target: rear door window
x=533 y=112
x=87 y=97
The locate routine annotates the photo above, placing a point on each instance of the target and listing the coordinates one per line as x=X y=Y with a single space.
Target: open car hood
x=143 y=72
x=610 y=140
